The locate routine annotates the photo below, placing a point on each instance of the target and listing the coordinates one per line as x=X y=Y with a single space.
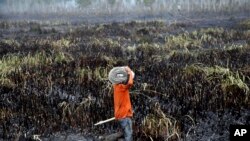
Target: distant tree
x=83 y=3
x=148 y=2
x=111 y=2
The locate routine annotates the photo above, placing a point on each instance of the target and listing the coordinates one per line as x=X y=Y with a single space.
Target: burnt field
x=192 y=79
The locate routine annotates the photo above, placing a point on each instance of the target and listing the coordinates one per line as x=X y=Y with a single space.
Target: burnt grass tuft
x=54 y=78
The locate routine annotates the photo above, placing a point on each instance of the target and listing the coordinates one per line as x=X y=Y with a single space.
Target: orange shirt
x=122 y=103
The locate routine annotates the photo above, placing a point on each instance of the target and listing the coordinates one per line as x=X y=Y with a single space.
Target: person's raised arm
x=131 y=76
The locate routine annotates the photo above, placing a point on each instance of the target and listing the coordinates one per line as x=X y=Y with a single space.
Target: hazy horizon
x=124 y=8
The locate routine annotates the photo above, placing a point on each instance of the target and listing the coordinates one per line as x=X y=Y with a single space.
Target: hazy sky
x=123 y=7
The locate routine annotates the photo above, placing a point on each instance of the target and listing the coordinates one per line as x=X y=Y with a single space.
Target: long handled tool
x=105 y=121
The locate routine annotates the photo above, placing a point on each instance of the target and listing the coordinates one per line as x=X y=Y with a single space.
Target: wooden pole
x=105 y=121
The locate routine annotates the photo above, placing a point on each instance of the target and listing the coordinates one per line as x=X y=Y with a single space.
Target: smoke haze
x=122 y=8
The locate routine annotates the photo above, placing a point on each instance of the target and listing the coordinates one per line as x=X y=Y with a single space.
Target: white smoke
x=119 y=7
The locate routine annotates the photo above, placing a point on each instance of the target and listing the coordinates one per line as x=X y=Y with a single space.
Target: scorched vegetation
x=53 y=77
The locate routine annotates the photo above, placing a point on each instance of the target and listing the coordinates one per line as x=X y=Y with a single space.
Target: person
x=122 y=105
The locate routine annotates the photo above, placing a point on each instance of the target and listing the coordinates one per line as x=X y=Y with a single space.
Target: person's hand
x=130 y=71
x=127 y=68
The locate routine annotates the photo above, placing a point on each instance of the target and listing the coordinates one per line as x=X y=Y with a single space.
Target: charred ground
x=191 y=81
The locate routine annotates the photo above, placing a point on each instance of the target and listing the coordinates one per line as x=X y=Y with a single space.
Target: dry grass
x=228 y=79
x=105 y=42
x=60 y=44
x=245 y=24
x=160 y=126
x=200 y=38
x=13 y=63
x=183 y=41
x=182 y=70
x=11 y=43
